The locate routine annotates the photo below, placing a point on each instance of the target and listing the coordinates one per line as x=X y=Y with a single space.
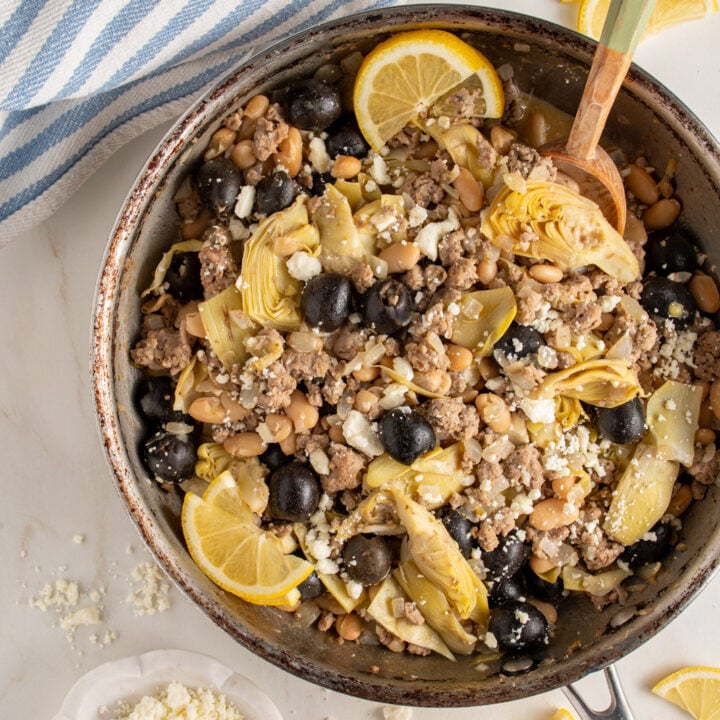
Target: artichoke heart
x=598 y=585
x=227 y=326
x=434 y=607
x=212 y=460
x=601 y=382
x=672 y=417
x=482 y=318
x=165 y=261
x=381 y=610
x=409 y=384
x=437 y=555
x=385 y=215
x=270 y=295
x=552 y=222
x=642 y=495
x=186 y=389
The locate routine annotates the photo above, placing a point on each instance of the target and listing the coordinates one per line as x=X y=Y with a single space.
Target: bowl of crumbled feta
x=165 y=684
x=385 y=392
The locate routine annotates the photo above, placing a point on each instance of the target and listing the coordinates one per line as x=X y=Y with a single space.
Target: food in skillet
x=418 y=389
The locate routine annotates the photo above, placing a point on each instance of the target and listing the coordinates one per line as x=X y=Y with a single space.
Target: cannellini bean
x=705 y=436
x=563 y=485
x=487 y=271
x=546 y=273
x=537 y=129
x=366 y=374
x=680 y=501
x=279 y=425
x=494 y=412
x=661 y=214
x=336 y=434
x=552 y=513
x=461 y=358
x=289 y=444
x=348 y=627
x=435 y=381
x=243 y=155
x=541 y=565
x=304 y=415
x=256 y=107
x=426 y=149
x=221 y=140
x=194 y=229
x=365 y=401
x=546 y=609
x=715 y=398
x=345 y=167
x=289 y=154
x=233 y=409
x=469 y=190
x=705 y=292
x=488 y=368
x=245 y=444
x=207 y=409
x=501 y=139
x=641 y=184
x=400 y=257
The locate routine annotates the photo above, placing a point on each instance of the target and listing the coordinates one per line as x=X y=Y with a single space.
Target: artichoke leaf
x=386 y=215
x=436 y=554
x=334 y=584
x=375 y=514
x=212 y=460
x=186 y=388
x=381 y=611
x=483 y=318
x=434 y=607
x=227 y=327
x=598 y=585
x=602 y=382
x=166 y=260
x=642 y=495
x=552 y=222
x=672 y=417
x=409 y=384
x=250 y=480
x=270 y=295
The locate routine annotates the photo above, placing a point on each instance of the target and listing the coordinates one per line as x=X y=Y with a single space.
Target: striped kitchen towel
x=79 y=78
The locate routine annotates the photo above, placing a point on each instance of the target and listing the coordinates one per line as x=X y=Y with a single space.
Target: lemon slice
x=694 y=689
x=591 y=15
x=401 y=78
x=223 y=492
x=562 y=713
x=239 y=557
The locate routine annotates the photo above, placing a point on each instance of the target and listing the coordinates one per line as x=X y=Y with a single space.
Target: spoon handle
x=624 y=25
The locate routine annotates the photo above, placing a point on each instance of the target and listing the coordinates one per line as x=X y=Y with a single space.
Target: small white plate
x=128 y=680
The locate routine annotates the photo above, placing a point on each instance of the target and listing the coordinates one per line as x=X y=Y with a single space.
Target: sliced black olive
x=311 y=587
x=663 y=298
x=218 y=183
x=541 y=589
x=507 y=590
x=367 y=560
x=313 y=104
x=519 y=341
x=344 y=138
x=459 y=527
x=275 y=192
x=327 y=301
x=183 y=277
x=518 y=626
x=155 y=397
x=274 y=457
x=652 y=547
x=622 y=424
x=406 y=434
x=506 y=559
x=294 y=492
x=170 y=457
x=670 y=252
x=387 y=306
x=319 y=180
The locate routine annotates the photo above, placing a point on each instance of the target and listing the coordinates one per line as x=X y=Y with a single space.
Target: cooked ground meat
x=462 y=274
x=279 y=384
x=306 y=365
x=270 y=131
x=427 y=353
x=218 y=269
x=451 y=418
x=423 y=189
x=524 y=467
x=450 y=248
x=163 y=349
x=345 y=468
x=707 y=352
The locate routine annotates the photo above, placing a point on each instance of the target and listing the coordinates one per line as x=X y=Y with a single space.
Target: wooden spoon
x=580 y=156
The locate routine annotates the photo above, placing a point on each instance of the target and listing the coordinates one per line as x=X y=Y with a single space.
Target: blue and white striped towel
x=79 y=78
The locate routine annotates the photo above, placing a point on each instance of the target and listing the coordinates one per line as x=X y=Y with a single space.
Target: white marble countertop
x=61 y=518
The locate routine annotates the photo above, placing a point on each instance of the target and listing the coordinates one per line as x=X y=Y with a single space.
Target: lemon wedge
x=591 y=15
x=238 y=556
x=223 y=492
x=403 y=77
x=695 y=689
x=562 y=713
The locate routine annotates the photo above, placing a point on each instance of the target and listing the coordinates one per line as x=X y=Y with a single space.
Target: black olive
x=274 y=457
x=319 y=180
x=650 y=548
x=367 y=559
x=663 y=298
x=406 y=434
x=311 y=587
x=218 y=183
x=519 y=341
x=183 y=277
x=294 y=492
x=518 y=626
x=622 y=424
x=155 y=398
x=170 y=457
x=327 y=301
x=506 y=559
x=541 y=589
x=507 y=590
x=387 y=306
x=313 y=105
x=344 y=138
x=459 y=527
x=670 y=252
x=275 y=192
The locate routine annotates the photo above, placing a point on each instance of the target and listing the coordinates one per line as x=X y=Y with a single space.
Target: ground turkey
x=346 y=467
x=707 y=352
x=451 y=418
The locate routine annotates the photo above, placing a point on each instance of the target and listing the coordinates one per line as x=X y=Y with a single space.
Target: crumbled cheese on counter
x=178 y=702
x=392 y=712
x=151 y=592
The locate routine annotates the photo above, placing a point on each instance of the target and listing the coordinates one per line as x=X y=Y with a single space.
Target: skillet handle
x=618 y=709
